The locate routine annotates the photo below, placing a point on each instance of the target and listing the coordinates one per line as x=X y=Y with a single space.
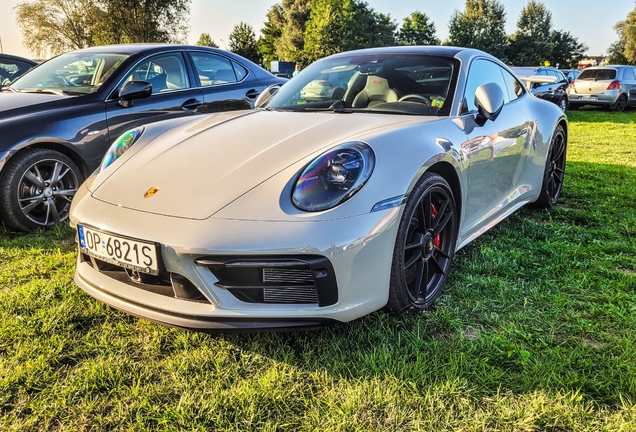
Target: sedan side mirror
x=266 y=95
x=134 y=90
x=489 y=100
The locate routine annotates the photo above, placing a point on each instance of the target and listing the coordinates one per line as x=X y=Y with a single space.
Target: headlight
x=334 y=177
x=120 y=145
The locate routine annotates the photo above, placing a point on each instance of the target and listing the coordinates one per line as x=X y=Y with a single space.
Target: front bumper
x=359 y=249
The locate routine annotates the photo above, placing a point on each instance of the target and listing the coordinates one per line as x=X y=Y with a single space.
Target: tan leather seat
x=376 y=91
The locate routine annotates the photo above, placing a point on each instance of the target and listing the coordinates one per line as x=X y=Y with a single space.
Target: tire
x=620 y=104
x=36 y=189
x=424 y=247
x=554 y=171
x=563 y=104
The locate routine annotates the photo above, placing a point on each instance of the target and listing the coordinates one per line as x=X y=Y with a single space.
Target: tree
x=242 y=41
x=50 y=27
x=54 y=26
x=623 y=51
x=290 y=46
x=531 y=44
x=417 y=29
x=272 y=31
x=566 y=50
x=341 y=25
x=481 y=25
x=206 y=40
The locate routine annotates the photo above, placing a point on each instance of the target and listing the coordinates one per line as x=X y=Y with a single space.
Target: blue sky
x=591 y=21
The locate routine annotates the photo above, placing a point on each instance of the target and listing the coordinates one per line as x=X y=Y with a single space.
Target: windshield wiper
x=51 y=91
x=10 y=89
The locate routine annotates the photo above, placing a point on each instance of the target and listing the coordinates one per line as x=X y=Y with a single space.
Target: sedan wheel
x=425 y=246
x=37 y=189
x=563 y=104
x=554 y=172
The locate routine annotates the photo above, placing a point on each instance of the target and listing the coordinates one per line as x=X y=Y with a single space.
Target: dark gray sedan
x=12 y=67
x=58 y=120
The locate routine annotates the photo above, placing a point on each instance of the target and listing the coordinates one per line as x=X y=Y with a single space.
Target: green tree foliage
x=271 y=32
x=51 y=27
x=290 y=46
x=623 y=51
x=531 y=45
x=341 y=25
x=54 y=26
x=417 y=29
x=242 y=41
x=566 y=50
x=206 y=40
x=481 y=25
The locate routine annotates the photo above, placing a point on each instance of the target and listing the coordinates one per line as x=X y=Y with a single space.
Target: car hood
x=203 y=165
x=17 y=104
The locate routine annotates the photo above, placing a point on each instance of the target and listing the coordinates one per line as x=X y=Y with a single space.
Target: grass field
x=536 y=331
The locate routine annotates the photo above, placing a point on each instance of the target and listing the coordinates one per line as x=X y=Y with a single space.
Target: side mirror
x=266 y=95
x=489 y=100
x=134 y=90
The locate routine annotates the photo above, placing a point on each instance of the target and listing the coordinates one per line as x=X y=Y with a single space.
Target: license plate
x=589 y=97
x=118 y=250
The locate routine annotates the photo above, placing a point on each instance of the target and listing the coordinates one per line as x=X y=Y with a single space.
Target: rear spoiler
x=537 y=79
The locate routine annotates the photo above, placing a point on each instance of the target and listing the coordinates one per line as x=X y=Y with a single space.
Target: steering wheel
x=60 y=80
x=414 y=97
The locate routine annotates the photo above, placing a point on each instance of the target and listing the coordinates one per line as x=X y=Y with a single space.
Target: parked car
x=610 y=86
x=305 y=211
x=11 y=67
x=58 y=120
x=555 y=92
x=571 y=74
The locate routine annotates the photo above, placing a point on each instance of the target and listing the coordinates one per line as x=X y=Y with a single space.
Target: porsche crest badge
x=150 y=192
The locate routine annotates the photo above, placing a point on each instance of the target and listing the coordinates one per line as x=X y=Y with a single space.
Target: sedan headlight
x=120 y=146
x=334 y=177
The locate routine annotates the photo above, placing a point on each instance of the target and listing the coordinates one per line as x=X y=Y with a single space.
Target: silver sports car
x=309 y=211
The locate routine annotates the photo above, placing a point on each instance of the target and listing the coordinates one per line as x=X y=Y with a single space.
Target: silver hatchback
x=612 y=86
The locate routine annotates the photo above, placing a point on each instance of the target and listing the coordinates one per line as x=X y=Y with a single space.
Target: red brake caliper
x=437 y=241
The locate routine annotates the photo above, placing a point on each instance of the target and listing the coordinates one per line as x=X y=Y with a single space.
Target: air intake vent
x=290 y=295
x=283 y=275
x=298 y=279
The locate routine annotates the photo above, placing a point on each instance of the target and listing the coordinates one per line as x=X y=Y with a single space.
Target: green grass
x=536 y=331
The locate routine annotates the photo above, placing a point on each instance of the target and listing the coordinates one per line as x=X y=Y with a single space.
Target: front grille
x=275 y=280
x=167 y=284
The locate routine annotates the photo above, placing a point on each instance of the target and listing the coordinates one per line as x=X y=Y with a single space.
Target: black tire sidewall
x=544 y=200
x=10 y=211
x=399 y=299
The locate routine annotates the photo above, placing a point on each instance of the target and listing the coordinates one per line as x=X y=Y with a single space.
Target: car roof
x=447 y=51
x=142 y=47
x=17 y=58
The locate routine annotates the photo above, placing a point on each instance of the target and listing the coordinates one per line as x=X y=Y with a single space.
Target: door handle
x=252 y=93
x=191 y=104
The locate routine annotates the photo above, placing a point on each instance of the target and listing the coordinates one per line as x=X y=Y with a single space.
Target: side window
x=629 y=74
x=560 y=76
x=513 y=86
x=240 y=71
x=216 y=70
x=482 y=72
x=165 y=72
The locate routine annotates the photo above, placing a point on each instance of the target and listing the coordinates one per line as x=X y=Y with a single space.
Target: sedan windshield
x=73 y=73
x=387 y=83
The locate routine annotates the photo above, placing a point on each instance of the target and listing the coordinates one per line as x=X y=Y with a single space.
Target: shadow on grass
x=601 y=115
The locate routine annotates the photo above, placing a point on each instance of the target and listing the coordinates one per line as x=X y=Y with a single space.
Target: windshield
x=73 y=73
x=389 y=83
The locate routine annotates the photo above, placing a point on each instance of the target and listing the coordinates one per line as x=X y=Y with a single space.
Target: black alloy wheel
x=37 y=189
x=424 y=247
x=554 y=172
